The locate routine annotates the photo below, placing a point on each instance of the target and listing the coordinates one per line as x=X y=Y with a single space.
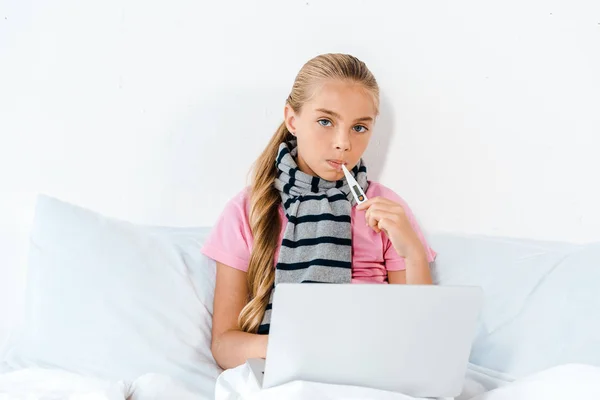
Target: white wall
x=154 y=111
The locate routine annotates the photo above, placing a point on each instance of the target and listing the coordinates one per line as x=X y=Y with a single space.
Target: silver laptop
x=412 y=339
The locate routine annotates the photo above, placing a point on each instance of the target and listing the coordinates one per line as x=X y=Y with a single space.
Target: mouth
x=336 y=164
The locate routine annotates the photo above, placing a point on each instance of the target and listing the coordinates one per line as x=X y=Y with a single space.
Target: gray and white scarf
x=317 y=241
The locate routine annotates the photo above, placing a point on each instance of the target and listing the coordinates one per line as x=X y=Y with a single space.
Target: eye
x=360 y=128
x=324 y=122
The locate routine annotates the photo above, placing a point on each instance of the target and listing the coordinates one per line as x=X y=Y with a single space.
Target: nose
x=342 y=140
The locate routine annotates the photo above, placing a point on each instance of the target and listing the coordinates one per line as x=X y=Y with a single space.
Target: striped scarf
x=317 y=241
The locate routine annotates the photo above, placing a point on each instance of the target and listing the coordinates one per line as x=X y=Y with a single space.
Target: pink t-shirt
x=230 y=241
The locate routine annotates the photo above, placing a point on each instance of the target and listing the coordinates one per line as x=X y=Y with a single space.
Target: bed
x=121 y=310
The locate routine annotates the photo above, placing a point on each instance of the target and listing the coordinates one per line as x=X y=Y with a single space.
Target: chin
x=332 y=175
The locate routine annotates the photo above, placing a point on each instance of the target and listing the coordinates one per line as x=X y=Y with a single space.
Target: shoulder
x=230 y=240
x=236 y=210
x=240 y=202
x=377 y=189
x=238 y=207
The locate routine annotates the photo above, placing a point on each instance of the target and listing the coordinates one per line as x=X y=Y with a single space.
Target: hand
x=388 y=216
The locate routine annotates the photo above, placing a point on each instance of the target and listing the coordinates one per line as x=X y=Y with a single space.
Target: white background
x=153 y=111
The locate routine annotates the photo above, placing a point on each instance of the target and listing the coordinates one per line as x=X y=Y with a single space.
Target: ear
x=290 y=118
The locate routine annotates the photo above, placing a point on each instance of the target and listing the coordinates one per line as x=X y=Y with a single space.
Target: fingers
x=384 y=225
x=374 y=216
x=382 y=214
x=376 y=200
x=390 y=207
x=372 y=201
x=366 y=204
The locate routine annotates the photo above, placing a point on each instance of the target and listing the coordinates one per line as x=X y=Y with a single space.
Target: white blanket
x=47 y=384
x=568 y=382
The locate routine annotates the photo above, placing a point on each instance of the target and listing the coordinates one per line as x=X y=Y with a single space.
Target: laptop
x=411 y=339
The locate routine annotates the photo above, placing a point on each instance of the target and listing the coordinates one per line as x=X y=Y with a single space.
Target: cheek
x=313 y=138
x=360 y=144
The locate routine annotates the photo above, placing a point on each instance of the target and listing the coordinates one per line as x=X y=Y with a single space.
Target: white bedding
x=35 y=383
x=47 y=384
x=568 y=382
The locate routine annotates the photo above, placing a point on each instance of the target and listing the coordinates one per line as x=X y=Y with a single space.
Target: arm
x=230 y=346
x=417 y=273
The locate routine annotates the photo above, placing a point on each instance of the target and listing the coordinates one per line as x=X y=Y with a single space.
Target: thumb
x=365 y=205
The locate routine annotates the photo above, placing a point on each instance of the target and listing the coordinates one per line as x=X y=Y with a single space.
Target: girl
x=297 y=222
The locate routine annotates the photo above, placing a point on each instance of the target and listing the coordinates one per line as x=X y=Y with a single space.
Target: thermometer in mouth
x=356 y=190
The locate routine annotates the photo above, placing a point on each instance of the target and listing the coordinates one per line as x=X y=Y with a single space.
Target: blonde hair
x=265 y=222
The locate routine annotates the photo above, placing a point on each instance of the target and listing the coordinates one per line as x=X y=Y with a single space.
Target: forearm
x=232 y=348
x=417 y=271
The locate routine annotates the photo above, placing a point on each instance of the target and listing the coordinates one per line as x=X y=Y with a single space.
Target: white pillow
x=541 y=299
x=116 y=300
x=559 y=322
x=507 y=269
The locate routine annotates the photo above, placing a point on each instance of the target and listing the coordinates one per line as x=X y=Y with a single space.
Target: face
x=333 y=128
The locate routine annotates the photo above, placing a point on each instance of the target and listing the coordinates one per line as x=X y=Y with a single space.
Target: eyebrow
x=338 y=116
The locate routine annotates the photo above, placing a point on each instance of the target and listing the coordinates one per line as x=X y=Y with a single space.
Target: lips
x=337 y=164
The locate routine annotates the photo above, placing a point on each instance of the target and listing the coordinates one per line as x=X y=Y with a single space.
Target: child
x=297 y=222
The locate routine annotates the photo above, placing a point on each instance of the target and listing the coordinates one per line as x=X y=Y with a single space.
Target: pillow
x=540 y=304
x=507 y=269
x=559 y=322
x=116 y=300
